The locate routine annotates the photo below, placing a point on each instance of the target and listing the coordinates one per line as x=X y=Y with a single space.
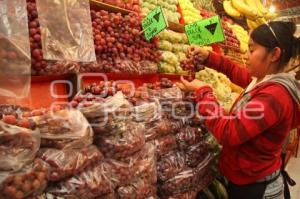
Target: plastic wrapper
x=188 y=136
x=193 y=178
x=69 y=162
x=18 y=146
x=147 y=112
x=64 y=129
x=91 y=183
x=7 y=109
x=167 y=94
x=122 y=142
x=68 y=34
x=171 y=164
x=30 y=181
x=165 y=144
x=187 y=195
x=196 y=153
x=15 y=68
x=158 y=128
x=138 y=189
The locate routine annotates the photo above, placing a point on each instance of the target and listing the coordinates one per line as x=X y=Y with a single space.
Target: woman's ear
x=276 y=54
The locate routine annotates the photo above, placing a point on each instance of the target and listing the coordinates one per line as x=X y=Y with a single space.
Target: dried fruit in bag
x=171 y=164
x=30 y=181
x=187 y=195
x=64 y=129
x=91 y=183
x=138 y=189
x=188 y=136
x=69 y=162
x=196 y=153
x=18 y=146
x=165 y=144
x=158 y=128
x=122 y=142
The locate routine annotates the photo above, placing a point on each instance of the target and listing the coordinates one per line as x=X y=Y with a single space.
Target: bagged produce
x=192 y=178
x=157 y=128
x=69 y=162
x=147 y=112
x=18 y=146
x=171 y=164
x=188 y=136
x=89 y=184
x=187 y=195
x=9 y=109
x=165 y=144
x=138 y=189
x=29 y=181
x=64 y=129
x=196 y=153
x=122 y=142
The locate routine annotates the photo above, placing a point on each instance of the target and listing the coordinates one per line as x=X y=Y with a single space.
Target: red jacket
x=251 y=146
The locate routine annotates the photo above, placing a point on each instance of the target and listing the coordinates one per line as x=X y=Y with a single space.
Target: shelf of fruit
x=114 y=6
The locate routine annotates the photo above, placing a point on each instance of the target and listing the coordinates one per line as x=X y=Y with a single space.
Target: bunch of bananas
x=255 y=13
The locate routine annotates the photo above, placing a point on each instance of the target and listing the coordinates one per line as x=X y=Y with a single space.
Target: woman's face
x=259 y=60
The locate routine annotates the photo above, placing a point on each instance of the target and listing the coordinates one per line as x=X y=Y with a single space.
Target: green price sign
x=205 y=31
x=154 y=23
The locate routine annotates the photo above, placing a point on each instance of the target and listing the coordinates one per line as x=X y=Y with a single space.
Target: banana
x=221 y=189
x=253 y=6
x=252 y=24
x=260 y=7
x=208 y=194
x=270 y=15
x=244 y=9
x=261 y=20
x=230 y=10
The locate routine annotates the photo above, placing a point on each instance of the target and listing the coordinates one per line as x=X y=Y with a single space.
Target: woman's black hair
x=278 y=34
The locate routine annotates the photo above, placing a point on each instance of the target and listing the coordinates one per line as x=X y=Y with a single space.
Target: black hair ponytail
x=278 y=34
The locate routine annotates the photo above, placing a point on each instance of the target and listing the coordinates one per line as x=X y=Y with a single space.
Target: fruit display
x=173 y=47
x=222 y=87
x=28 y=182
x=204 y=5
x=92 y=182
x=188 y=136
x=127 y=4
x=187 y=195
x=64 y=129
x=7 y=109
x=18 y=146
x=255 y=13
x=242 y=35
x=119 y=45
x=231 y=40
x=189 y=13
x=122 y=142
x=69 y=162
x=169 y=8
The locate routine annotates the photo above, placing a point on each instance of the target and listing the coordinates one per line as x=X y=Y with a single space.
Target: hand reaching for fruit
x=196 y=56
x=190 y=86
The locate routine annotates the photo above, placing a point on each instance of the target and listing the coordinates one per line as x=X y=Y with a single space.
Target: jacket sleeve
x=233 y=129
x=237 y=74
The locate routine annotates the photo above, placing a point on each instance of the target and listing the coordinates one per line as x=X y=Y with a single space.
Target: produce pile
x=127 y=4
x=189 y=13
x=253 y=10
x=169 y=8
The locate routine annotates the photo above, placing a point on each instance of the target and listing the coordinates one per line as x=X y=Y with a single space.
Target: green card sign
x=205 y=32
x=154 y=23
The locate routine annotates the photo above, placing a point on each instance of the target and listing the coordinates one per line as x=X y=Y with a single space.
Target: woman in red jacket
x=253 y=133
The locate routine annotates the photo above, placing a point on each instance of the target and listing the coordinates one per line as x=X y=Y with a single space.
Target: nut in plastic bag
x=67 y=34
x=15 y=61
x=18 y=146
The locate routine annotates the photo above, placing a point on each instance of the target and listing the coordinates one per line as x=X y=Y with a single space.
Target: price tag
x=205 y=31
x=154 y=23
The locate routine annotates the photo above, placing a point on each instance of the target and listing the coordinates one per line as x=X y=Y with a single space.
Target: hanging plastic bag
x=196 y=153
x=91 y=183
x=165 y=144
x=122 y=142
x=28 y=182
x=15 y=68
x=64 y=129
x=188 y=136
x=69 y=162
x=171 y=164
x=67 y=34
x=138 y=189
x=18 y=146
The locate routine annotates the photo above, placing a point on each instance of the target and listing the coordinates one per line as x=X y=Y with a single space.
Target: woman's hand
x=200 y=54
x=190 y=86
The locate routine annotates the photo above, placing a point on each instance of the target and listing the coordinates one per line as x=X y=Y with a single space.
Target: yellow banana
x=253 y=6
x=244 y=9
x=252 y=24
x=270 y=15
x=261 y=20
x=230 y=10
x=260 y=7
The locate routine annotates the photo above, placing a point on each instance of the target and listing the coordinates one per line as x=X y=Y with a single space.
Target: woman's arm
x=237 y=74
